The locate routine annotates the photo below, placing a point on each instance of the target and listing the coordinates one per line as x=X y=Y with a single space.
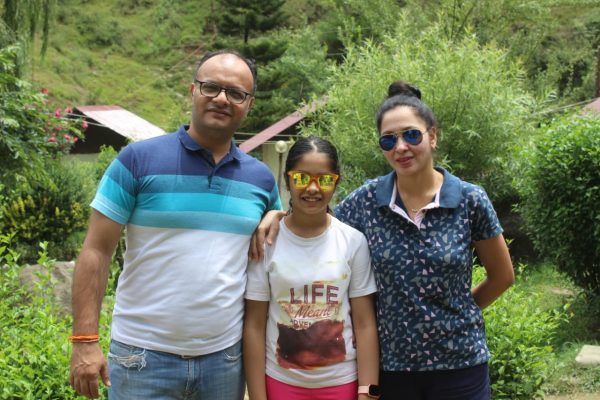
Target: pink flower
x=68 y=110
x=75 y=139
x=67 y=137
x=52 y=139
x=44 y=90
x=84 y=125
x=57 y=113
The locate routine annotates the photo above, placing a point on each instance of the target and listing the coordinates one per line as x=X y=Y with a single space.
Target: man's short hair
x=249 y=62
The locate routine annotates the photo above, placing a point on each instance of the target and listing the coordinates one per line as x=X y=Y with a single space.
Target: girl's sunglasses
x=411 y=136
x=301 y=180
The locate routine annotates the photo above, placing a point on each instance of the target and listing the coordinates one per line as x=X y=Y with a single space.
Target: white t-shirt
x=308 y=282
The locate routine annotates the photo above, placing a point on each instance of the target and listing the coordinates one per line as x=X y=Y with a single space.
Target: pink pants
x=277 y=390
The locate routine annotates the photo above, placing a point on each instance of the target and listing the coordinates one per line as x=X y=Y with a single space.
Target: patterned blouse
x=427 y=318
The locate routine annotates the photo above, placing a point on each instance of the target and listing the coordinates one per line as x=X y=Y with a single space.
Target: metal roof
x=594 y=106
x=280 y=126
x=123 y=122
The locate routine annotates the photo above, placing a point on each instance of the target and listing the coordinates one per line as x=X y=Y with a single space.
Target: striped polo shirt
x=426 y=315
x=188 y=228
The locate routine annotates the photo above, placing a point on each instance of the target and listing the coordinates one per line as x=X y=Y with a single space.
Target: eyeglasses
x=212 y=90
x=409 y=136
x=302 y=180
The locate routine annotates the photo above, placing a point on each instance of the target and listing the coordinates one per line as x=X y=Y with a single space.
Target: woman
x=300 y=340
x=421 y=223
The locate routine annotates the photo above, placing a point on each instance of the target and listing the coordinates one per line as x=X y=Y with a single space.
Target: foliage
x=560 y=187
x=28 y=132
x=20 y=20
x=351 y=22
x=556 y=41
x=474 y=91
x=300 y=74
x=519 y=332
x=241 y=17
x=53 y=208
x=34 y=351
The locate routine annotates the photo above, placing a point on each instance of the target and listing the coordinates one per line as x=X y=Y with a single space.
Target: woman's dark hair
x=401 y=94
x=305 y=145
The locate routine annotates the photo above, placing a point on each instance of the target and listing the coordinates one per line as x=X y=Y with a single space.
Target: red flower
x=44 y=90
x=68 y=110
x=57 y=113
x=84 y=125
x=52 y=139
x=75 y=139
x=67 y=137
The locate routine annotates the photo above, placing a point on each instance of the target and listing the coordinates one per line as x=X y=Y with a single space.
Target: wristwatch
x=370 y=390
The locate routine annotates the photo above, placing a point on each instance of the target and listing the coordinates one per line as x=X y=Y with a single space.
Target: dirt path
x=575 y=396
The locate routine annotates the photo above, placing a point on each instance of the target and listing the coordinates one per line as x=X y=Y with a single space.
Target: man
x=190 y=201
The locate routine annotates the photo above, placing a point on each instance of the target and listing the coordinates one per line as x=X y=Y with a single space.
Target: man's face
x=218 y=117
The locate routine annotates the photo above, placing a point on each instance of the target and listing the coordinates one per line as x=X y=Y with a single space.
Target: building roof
x=271 y=131
x=594 y=106
x=123 y=122
x=280 y=126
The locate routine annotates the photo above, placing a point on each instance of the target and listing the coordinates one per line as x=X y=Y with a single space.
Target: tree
x=475 y=92
x=560 y=187
x=243 y=17
x=22 y=19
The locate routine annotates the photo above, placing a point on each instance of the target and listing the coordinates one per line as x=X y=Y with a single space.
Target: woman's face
x=312 y=199
x=404 y=158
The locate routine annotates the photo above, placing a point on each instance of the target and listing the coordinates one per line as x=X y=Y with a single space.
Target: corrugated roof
x=271 y=131
x=124 y=122
x=280 y=126
x=594 y=106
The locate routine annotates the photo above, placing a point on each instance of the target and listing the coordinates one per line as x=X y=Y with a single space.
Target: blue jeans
x=137 y=373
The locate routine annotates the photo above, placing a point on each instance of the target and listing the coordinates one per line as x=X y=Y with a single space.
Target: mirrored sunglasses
x=410 y=136
x=301 y=180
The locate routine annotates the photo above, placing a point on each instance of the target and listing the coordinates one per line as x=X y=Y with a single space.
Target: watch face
x=374 y=390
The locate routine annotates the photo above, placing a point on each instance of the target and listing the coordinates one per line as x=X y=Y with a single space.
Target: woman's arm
x=255 y=328
x=495 y=258
x=367 y=342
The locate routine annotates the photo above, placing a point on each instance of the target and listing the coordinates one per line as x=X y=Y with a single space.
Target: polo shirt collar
x=449 y=192
x=190 y=144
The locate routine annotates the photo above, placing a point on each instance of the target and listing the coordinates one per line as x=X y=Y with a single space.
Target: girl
x=310 y=330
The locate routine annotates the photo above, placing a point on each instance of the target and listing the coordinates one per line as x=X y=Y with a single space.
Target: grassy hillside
x=134 y=53
x=138 y=54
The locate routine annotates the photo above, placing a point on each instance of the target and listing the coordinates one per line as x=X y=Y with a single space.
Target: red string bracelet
x=84 y=338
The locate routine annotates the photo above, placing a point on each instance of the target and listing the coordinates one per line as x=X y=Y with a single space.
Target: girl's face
x=404 y=158
x=311 y=200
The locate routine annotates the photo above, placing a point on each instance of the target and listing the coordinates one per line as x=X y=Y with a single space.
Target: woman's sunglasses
x=411 y=136
x=301 y=180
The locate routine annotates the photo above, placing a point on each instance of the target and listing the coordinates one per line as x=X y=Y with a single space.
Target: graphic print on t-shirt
x=314 y=338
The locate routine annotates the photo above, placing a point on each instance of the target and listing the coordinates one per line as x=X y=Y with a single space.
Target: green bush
x=474 y=91
x=29 y=132
x=34 y=351
x=560 y=187
x=53 y=208
x=519 y=332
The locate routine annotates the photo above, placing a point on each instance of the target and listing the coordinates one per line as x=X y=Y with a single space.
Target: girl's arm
x=495 y=258
x=367 y=342
x=255 y=328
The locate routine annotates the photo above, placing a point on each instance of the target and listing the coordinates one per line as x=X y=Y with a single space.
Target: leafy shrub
x=560 y=187
x=34 y=351
x=29 y=133
x=518 y=333
x=52 y=208
x=474 y=91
